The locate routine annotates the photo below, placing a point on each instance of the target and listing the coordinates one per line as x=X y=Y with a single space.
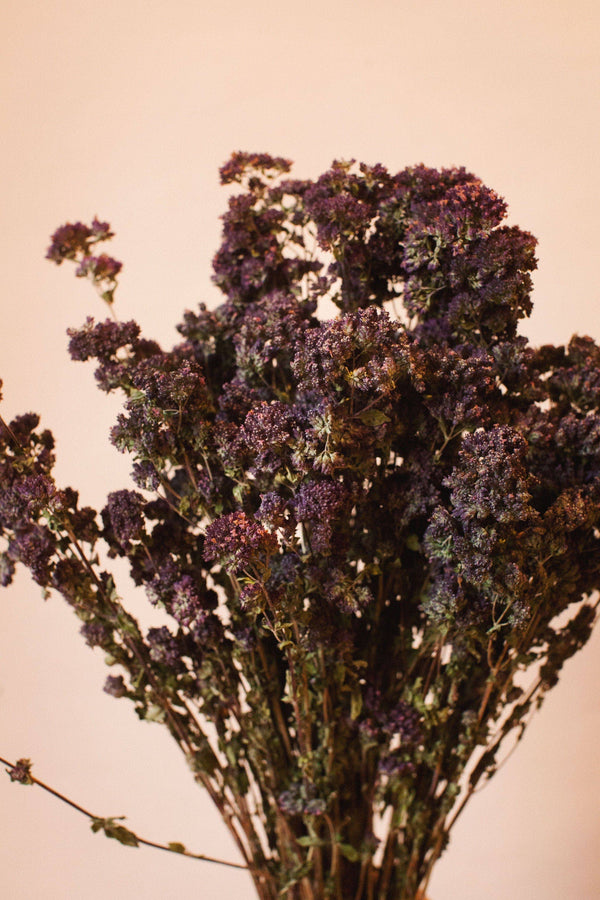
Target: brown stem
x=147 y=843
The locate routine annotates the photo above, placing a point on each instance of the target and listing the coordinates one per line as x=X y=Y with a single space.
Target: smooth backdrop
x=125 y=110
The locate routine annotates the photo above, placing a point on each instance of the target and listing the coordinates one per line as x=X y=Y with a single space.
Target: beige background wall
x=126 y=109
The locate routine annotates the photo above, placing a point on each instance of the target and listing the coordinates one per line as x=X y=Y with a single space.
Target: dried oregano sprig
x=376 y=536
x=112 y=826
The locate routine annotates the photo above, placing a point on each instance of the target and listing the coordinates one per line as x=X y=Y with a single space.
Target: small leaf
x=413 y=543
x=308 y=840
x=350 y=852
x=123 y=836
x=373 y=417
x=112 y=830
x=176 y=847
x=356 y=702
x=154 y=713
x=97 y=824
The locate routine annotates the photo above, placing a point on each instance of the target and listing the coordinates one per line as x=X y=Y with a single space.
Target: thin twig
x=170 y=848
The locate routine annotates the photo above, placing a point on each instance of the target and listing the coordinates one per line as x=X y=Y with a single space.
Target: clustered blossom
x=319 y=505
x=491 y=477
x=236 y=541
x=362 y=530
x=101 y=267
x=115 y=686
x=74 y=241
x=95 y=633
x=123 y=515
x=165 y=648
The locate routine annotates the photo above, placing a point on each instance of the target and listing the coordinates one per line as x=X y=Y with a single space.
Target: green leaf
x=356 y=702
x=308 y=840
x=154 y=713
x=112 y=830
x=122 y=835
x=350 y=852
x=373 y=417
x=413 y=543
x=176 y=847
x=239 y=492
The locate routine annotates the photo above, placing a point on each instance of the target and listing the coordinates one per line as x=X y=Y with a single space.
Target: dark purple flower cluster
x=186 y=605
x=165 y=648
x=491 y=479
x=115 y=686
x=71 y=240
x=301 y=800
x=245 y=165
x=320 y=507
x=399 y=720
x=265 y=436
x=117 y=347
x=99 y=268
x=95 y=633
x=123 y=516
x=101 y=340
x=359 y=353
x=236 y=541
x=74 y=242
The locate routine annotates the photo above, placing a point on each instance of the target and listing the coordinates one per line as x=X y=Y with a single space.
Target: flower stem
x=170 y=848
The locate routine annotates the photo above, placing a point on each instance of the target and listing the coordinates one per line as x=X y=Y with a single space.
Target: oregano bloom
x=235 y=540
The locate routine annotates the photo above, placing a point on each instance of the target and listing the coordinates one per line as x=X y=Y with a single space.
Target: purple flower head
x=362 y=353
x=301 y=800
x=319 y=506
x=461 y=385
x=123 y=514
x=101 y=340
x=237 y=541
x=73 y=239
x=272 y=511
x=38 y=492
x=115 y=686
x=339 y=204
x=346 y=593
x=68 y=240
x=101 y=230
x=165 y=648
x=95 y=633
x=187 y=605
x=35 y=548
x=100 y=268
x=398 y=719
x=265 y=433
x=145 y=475
x=69 y=578
x=21 y=771
x=168 y=382
x=252 y=597
x=242 y=165
x=395 y=765
x=491 y=478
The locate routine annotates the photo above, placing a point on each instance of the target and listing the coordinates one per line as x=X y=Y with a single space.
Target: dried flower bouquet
x=375 y=535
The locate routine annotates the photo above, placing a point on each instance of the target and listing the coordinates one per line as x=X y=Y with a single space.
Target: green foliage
x=112 y=829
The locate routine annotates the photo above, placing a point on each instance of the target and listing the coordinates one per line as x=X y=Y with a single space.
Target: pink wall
x=126 y=109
